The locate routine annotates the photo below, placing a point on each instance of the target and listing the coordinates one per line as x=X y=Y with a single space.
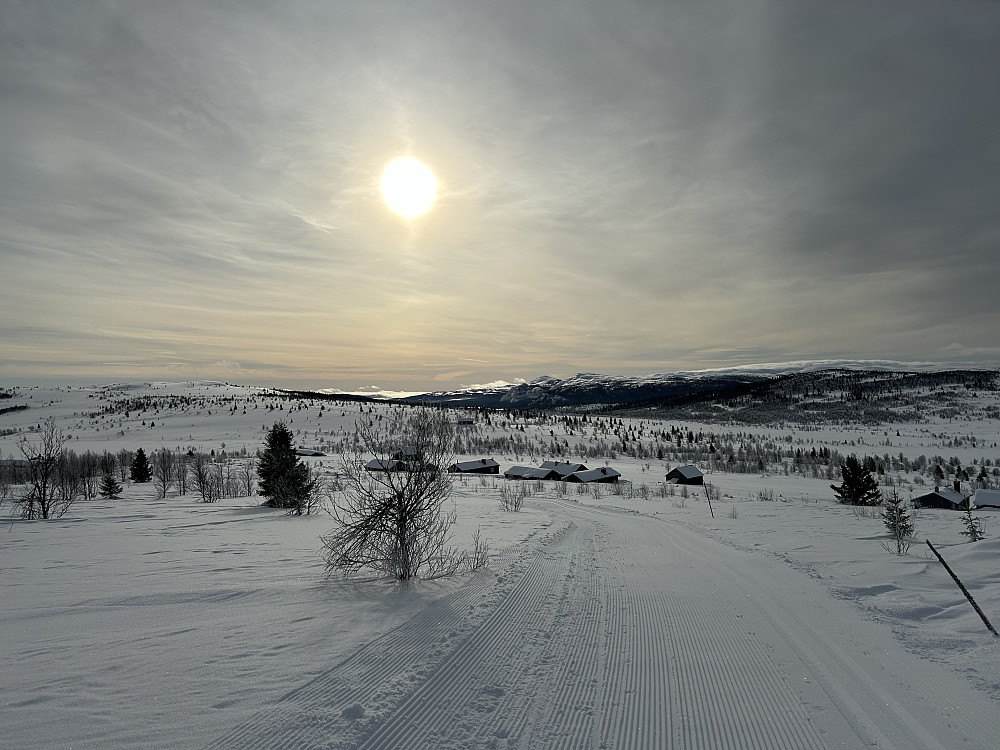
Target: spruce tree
x=283 y=478
x=973 y=527
x=859 y=486
x=898 y=522
x=109 y=487
x=140 y=467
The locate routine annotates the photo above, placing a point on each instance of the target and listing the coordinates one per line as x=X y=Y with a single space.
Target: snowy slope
x=603 y=618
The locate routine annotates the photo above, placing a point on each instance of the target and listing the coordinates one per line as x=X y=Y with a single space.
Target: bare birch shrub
x=512 y=496
x=48 y=493
x=393 y=521
x=480 y=551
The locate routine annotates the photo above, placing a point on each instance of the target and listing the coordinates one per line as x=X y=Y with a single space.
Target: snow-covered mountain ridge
x=587 y=388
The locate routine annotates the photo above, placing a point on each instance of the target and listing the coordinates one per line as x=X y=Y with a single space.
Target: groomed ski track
x=623 y=631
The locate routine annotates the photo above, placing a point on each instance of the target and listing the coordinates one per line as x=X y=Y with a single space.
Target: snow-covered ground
x=600 y=621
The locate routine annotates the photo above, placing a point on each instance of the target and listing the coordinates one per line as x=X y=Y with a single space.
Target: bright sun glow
x=408 y=187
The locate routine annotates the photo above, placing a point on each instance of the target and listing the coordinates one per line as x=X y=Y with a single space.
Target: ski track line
x=620 y=631
x=856 y=690
x=588 y=648
x=379 y=673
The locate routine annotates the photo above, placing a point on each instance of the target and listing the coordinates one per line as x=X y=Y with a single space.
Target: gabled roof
x=477 y=464
x=565 y=468
x=688 y=472
x=389 y=464
x=605 y=473
x=945 y=493
x=529 y=472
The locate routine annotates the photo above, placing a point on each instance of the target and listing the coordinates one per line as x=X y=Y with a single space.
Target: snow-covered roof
x=477 y=464
x=986 y=497
x=565 y=468
x=530 y=472
x=595 y=475
x=688 y=472
x=947 y=494
x=379 y=464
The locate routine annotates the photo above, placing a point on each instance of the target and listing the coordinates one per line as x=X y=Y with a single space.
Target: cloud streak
x=640 y=188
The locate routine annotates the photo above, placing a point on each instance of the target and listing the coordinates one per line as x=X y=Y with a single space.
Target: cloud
x=649 y=186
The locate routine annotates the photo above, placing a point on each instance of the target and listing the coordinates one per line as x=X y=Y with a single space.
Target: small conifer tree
x=973 y=527
x=109 y=487
x=898 y=520
x=140 y=467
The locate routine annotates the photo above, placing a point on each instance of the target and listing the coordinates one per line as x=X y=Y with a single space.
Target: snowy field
x=602 y=620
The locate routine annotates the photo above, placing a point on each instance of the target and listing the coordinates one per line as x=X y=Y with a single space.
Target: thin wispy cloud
x=627 y=188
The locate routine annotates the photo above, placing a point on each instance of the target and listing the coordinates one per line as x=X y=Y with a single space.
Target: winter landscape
x=617 y=615
x=460 y=374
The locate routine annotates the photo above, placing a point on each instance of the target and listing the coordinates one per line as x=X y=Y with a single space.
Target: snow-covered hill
x=672 y=389
x=631 y=616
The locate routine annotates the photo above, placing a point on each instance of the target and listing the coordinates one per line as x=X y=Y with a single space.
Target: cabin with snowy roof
x=530 y=472
x=603 y=475
x=479 y=466
x=989 y=499
x=943 y=498
x=563 y=468
x=685 y=475
x=386 y=464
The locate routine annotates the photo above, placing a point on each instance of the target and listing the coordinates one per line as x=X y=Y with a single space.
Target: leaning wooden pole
x=962 y=586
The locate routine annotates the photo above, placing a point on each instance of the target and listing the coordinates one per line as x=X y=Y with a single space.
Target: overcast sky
x=191 y=189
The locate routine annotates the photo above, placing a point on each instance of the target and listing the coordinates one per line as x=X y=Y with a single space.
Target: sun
x=409 y=187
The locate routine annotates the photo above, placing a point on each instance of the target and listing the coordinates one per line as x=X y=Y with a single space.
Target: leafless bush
x=512 y=496
x=866 y=511
x=49 y=490
x=205 y=477
x=766 y=496
x=163 y=471
x=393 y=522
x=734 y=512
x=480 y=551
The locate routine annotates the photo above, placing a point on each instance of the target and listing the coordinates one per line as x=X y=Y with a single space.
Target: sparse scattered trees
x=858 y=486
x=394 y=521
